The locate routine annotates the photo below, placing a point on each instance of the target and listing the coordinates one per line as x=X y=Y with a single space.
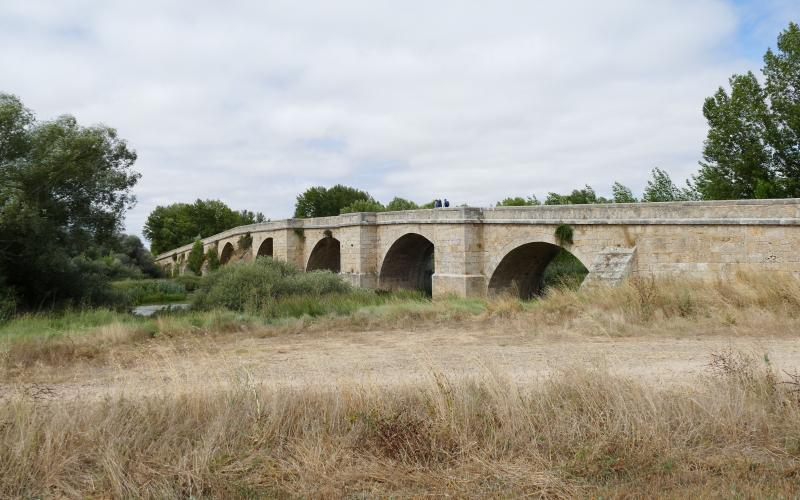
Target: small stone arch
x=408 y=264
x=327 y=254
x=265 y=249
x=226 y=254
x=522 y=270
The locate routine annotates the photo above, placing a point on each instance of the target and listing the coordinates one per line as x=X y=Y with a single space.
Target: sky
x=253 y=102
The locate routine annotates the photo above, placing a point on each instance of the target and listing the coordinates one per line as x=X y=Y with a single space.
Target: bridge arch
x=408 y=264
x=327 y=254
x=265 y=249
x=226 y=254
x=523 y=269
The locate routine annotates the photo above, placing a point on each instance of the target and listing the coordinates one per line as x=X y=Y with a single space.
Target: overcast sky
x=253 y=102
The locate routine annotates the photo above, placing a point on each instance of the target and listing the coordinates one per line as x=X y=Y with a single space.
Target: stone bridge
x=475 y=251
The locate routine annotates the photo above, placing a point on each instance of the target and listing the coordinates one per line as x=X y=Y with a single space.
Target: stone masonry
x=476 y=251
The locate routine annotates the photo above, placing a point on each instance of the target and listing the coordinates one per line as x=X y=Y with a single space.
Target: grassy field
x=223 y=403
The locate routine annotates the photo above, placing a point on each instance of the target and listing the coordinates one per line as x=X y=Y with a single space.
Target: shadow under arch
x=265 y=249
x=409 y=264
x=226 y=254
x=327 y=254
x=529 y=269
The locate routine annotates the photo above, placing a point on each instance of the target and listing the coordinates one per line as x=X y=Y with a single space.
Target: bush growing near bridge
x=196 y=257
x=212 y=257
x=258 y=285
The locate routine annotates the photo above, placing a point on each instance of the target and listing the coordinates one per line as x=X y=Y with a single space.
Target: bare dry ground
x=398 y=357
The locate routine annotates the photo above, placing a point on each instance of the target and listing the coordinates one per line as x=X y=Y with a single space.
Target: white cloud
x=251 y=102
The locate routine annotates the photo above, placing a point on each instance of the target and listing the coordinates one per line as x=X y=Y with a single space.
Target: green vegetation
x=196 y=258
x=564 y=271
x=267 y=284
x=212 y=258
x=62 y=324
x=244 y=242
x=64 y=189
x=518 y=201
x=753 y=144
x=563 y=234
x=179 y=224
x=149 y=291
x=323 y=202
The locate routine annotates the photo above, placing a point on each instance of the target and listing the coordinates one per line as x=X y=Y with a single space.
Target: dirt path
x=396 y=357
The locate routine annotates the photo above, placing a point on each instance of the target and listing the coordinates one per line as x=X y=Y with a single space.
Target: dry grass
x=576 y=432
x=580 y=432
x=744 y=305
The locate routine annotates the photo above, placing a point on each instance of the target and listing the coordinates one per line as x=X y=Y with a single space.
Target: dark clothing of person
x=446 y=203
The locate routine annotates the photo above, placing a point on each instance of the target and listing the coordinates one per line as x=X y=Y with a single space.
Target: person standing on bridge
x=446 y=203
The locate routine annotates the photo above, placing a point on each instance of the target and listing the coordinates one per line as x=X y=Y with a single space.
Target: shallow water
x=151 y=309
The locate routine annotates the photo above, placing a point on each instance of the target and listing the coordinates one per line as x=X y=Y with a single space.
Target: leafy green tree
x=196 y=257
x=179 y=224
x=519 y=201
x=397 y=204
x=622 y=193
x=583 y=196
x=325 y=202
x=782 y=72
x=753 y=144
x=363 y=206
x=737 y=159
x=64 y=189
x=661 y=188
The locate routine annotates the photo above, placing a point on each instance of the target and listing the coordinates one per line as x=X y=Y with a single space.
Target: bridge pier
x=459 y=258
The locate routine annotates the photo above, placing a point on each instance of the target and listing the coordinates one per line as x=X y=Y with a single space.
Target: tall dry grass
x=580 y=432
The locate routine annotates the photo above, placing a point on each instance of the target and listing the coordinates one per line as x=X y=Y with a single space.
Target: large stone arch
x=226 y=253
x=409 y=263
x=327 y=254
x=521 y=269
x=265 y=249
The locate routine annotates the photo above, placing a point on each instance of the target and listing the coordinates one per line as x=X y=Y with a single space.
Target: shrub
x=196 y=257
x=8 y=302
x=146 y=291
x=189 y=281
x=564 y=234
x=254 y=286
x=245 y=242
x=212 y=257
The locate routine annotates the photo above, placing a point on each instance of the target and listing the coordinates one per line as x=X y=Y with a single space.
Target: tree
x=64 y=189
x=576 y=197
x=661 y=188
x=196 y=257
x=622 y=193
x=737 y=159
x=179 y=224
x=519 y=201
x=213 y=259
x=753 y=144
x=369 y=205
x=397 y=204
x=325 y=202
x=782 y=72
